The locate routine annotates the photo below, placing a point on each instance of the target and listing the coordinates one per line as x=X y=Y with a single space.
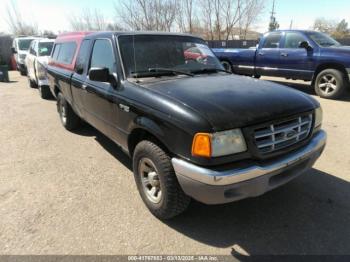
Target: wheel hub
x=150 y=180
x=328 y=84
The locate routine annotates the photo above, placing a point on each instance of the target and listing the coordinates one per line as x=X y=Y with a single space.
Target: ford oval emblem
x=290 y=133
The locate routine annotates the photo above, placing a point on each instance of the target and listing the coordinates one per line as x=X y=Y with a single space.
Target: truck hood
x=338 y=49
x=231 y=101
x=43 y=60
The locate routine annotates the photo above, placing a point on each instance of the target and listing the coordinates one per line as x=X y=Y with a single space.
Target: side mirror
x=99 y=74
x=103 y=75
x=13 y=50
x=306 y=46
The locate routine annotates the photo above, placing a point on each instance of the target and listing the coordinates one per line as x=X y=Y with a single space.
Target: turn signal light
x=201 y=145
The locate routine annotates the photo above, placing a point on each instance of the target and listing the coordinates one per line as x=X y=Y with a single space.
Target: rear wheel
x=330 y=83
x=156 y=181
x=69 y=118
x=227 y=65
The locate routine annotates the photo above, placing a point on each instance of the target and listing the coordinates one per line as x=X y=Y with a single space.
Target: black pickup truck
x=192 y=129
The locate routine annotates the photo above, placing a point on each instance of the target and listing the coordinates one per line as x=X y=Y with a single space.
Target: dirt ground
x=74 y=193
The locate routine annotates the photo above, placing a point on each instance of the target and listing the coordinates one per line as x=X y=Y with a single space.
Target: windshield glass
x=323 y=40
x=148 y=55
x=45 y=48
x=24 y=44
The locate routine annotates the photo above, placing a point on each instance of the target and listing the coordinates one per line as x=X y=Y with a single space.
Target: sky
x=53 y=14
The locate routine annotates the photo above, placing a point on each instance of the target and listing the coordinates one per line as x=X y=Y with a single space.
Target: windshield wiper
x=174 y=71
x=210 y=70
x=152 y=72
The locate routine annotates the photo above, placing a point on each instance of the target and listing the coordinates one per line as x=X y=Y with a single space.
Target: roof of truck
x=71 y=36
x=118 y=33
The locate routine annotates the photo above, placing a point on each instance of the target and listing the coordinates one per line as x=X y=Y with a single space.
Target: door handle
x=284 y=54
x=261 y=53
x=84 y=87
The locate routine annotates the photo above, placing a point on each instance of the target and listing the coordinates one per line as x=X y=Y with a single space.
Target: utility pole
x=291 y=24
x=273 y=23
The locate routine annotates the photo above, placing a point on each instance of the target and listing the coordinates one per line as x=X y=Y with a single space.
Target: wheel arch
x=146 y=129
x=330 y=65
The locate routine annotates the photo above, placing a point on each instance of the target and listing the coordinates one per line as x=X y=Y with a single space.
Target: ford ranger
x=192 y=129
x=306 y=55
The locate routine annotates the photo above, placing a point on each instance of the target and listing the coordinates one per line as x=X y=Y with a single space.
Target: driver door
x=297 y=62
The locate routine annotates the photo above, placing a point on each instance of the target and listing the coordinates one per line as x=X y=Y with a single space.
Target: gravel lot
x=74 y=193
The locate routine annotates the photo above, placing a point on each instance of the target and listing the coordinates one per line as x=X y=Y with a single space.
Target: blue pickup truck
x=294 y=54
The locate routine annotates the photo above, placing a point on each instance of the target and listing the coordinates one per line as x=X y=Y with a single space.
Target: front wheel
x=330 y=83
x=44 y=92
x=156 y=181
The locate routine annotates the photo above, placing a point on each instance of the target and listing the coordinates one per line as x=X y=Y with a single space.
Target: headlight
x=318 y=117
x=219 y=144
x=41 y=71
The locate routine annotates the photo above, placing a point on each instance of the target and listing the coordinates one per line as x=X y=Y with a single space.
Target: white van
x=36 y=63
x=20 y=48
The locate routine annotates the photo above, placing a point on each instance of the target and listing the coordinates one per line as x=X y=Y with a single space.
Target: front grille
x=283 y=134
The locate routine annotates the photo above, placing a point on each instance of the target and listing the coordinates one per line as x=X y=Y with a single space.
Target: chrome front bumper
x=252 y=180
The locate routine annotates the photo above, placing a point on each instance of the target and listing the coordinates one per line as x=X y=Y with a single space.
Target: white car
x=36 y=63
x=20 y=46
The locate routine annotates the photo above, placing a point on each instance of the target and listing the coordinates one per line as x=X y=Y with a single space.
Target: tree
x=155 y=15
x=16 y=23
x=342 y=30
x=324 y=25
x=88 y=20
x=185 y=16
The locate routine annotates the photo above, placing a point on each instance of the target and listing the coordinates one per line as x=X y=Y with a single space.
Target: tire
x=69 y=119
x=167 y=200
x=31 y=83
x=44 y=92
x=227 y=65
x=330 y=83
x=257 y=76
x=23 y=73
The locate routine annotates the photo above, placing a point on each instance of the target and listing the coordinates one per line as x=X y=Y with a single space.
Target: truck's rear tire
x=68 y=117
x=227 y=65
x=44 y=92
x=330 y=83
x=156 y=181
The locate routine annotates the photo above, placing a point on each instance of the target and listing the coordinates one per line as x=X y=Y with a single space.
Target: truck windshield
x=45 y=48
x=323 y=40
x=154 y=55
x=24 y=44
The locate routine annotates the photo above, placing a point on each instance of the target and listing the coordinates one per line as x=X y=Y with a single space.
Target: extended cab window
x=83 y=56
x=66 y=53
x=293 y=40
x=102 y=55
x=272 y=41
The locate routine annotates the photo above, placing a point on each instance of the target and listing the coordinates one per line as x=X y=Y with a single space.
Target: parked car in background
x=36 y=63
x=20 y=47
x=193 y=129
x=295 y=54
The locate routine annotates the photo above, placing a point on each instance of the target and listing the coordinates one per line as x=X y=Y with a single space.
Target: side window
x=293 y=40
x=272 y=41
x=56 y=51
x=83 y=56
x=66 y=53
x=102 y=55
